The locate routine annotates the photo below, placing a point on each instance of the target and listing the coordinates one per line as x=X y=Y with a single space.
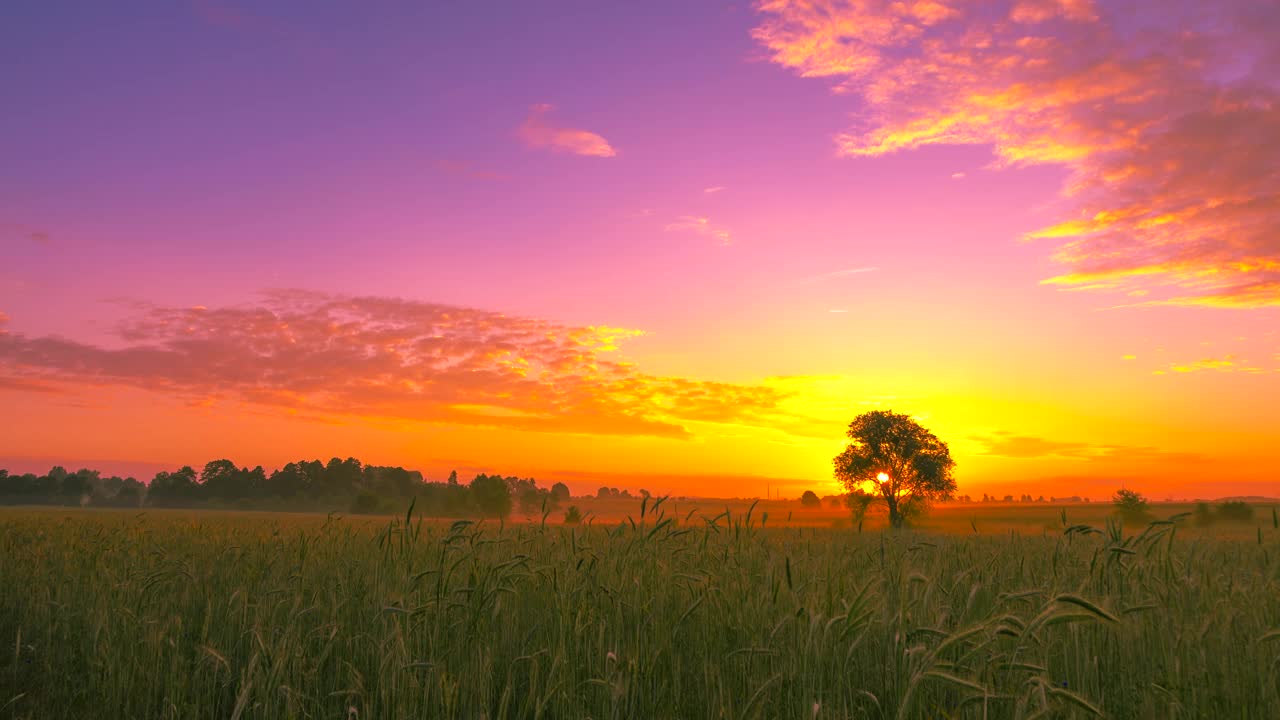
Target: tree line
x=304 y=485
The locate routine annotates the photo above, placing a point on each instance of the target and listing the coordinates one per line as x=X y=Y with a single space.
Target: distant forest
x=347 y=485
x=306 y=485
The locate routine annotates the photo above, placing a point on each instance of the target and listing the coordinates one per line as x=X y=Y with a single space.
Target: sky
x=669 y=245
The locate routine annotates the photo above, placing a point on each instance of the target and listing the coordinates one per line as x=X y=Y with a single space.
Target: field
x=686 y=611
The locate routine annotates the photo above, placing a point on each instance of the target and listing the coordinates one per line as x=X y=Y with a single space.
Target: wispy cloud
x=224 y=14
x=702 y=226
x=242 y=17
x=1010 y=445
x=713 y=190
x=538 y=131
x=822 y=277
x=1226 y=363
x=1168 y=123
x=1229 y=363
x=326 y=356
x=24 y=233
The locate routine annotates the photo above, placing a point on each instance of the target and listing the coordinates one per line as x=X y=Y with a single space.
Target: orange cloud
x=537 y=132
x=1171 y=134
x=326 y=356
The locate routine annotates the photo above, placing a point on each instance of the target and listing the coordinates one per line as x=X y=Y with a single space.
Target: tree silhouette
x=1131 y=505
x=492 y=495
x=306 y=484
x=560 y=492
x=79 y=484
x=908 y=465
x=810 y=499
x=173 y=488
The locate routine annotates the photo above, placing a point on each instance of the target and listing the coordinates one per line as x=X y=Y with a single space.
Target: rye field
x=696 y=614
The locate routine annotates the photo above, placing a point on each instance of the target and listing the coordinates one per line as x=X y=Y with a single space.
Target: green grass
x=217 y=615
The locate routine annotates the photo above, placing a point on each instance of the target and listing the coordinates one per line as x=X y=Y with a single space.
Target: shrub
x=573 y=515
x=1203 y=515
x=1235 y=511
x=859 y=501
x=1131 y=505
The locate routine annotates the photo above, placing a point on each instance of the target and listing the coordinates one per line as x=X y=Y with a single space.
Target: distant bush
x=858 y=502
x=1131 y=505
x=1203 y=515
x=810 y=499
x=573 y=515
x=1235 y=511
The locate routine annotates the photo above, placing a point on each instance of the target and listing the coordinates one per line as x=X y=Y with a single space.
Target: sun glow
x=882 y=477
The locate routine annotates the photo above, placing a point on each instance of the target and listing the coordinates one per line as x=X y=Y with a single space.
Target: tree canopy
x=904 y=462
x=492 y=495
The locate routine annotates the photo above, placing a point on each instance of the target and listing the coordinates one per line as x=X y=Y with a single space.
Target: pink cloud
x=1171 y=135
x=538 y=132
x=330 y=356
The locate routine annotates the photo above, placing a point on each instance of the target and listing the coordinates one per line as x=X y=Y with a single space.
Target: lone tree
x=810 y=499
x=1131 y=505
x=908 y=465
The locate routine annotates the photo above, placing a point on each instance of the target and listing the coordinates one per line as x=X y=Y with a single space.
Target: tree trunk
x=895 y=518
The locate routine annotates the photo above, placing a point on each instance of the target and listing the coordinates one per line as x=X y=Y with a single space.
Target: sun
x=882 y=477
